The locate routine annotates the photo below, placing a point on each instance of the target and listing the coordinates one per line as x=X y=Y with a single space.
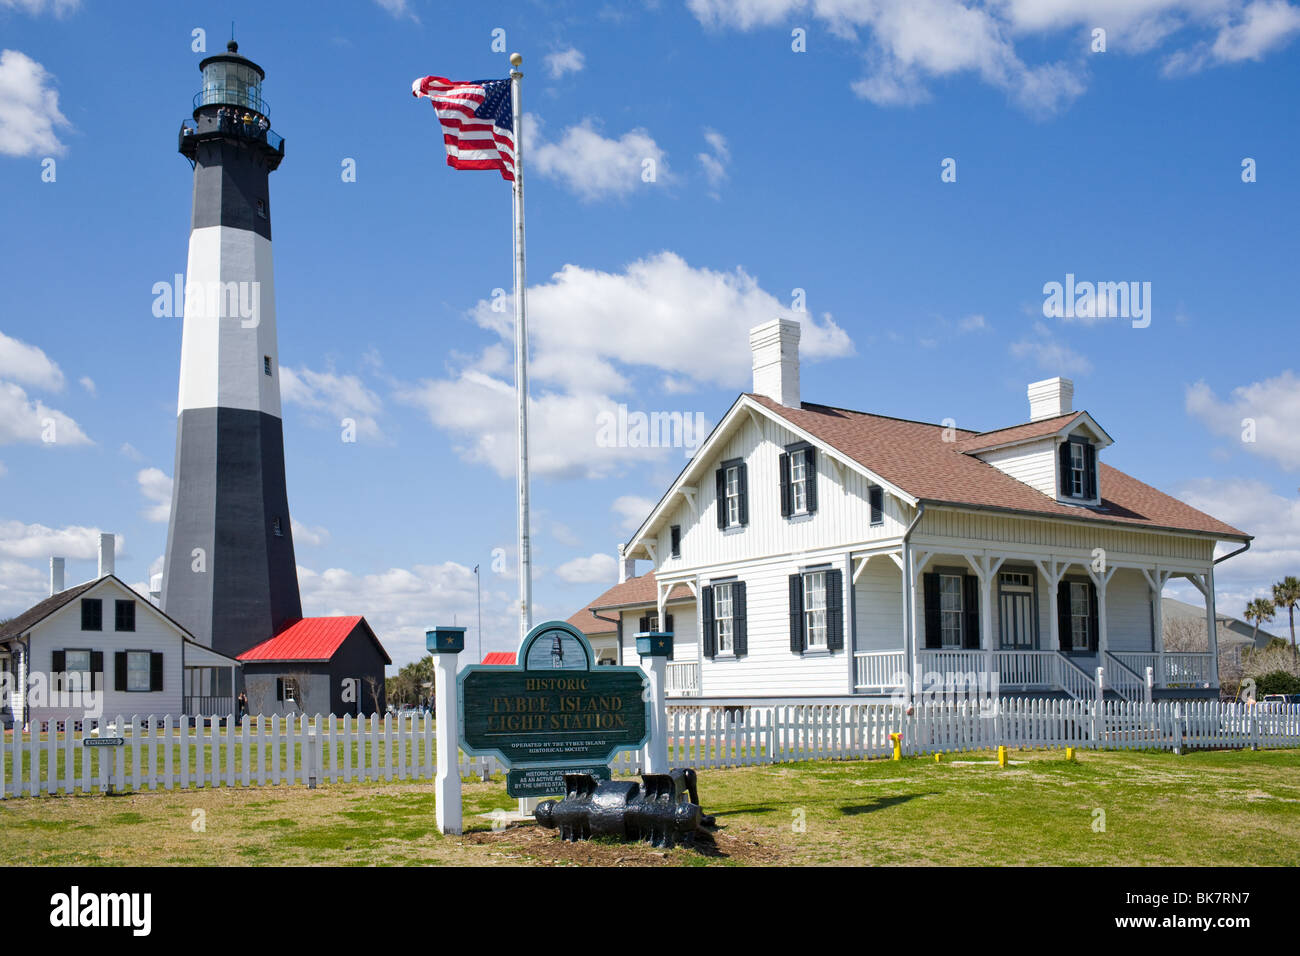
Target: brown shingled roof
x=634 y=592
x=914 y=457
x=1015 y=433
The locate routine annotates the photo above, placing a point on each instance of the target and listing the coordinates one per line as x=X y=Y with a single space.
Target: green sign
x=545 y=781
x=553 y=710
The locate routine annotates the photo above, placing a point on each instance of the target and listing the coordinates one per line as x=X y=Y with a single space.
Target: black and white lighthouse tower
x=229 y=574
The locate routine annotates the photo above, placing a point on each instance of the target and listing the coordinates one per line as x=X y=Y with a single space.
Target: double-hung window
x=799 y=481
x=137 y=670
x=724 y=618
x=950 y=610
x=1078 y=471
x=733 y=495
x=1080 y=623
x=814 y=609
x=76 y=667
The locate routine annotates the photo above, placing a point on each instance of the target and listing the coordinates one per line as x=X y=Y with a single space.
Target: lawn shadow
x=881 y=803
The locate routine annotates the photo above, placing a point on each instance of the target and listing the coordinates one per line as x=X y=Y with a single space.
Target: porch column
x=986 y=568
x=918 y=560
x=1100 y=580
x=1156 y=582
x=1211 y=627
x=1052 y=573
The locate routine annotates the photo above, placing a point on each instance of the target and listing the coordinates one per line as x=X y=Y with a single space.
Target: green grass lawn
x=1197 y=809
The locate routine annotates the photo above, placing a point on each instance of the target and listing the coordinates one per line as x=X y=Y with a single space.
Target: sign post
x=656 y=649
x=446 y=643
x=554 y=712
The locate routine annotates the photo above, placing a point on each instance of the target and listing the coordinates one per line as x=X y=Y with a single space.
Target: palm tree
x=1258 y=611
x=1286 y=594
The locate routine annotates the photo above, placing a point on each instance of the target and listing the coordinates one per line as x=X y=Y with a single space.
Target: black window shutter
x=796 y=613
x=1063 y=614
x=96 y=668
x=1093 y=620
x=739 y=631
x=710 y=640
x=279 y=688
x=156 y=671
x=876 y=497
x=1064 y=455
x=933 y=619
x=119 y=670
x=742 y=472
x=58 y=664
x=835 y=610
x=784 y=467
x=970 y=595
x=720 y=479
x=643 y=624
x=668 y=624
x=810 y=469
x=1090 y=469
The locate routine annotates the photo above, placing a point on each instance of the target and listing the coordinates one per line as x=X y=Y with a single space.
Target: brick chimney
x=1050 y=398
x=775 y=346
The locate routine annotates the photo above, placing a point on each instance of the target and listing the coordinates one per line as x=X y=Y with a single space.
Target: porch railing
x=1182 y=668
x=1074 y=680
x=684 y=678
x=1125 y=680
x=880 y=671
x=221 y=706
x=1025 y=668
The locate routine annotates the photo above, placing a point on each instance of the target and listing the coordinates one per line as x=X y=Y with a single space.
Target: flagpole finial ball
x=516 y=59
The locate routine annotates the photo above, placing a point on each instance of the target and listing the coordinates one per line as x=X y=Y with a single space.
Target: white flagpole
x=521 y=358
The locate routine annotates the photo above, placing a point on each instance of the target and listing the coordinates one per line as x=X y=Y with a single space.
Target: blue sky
x=775 y=170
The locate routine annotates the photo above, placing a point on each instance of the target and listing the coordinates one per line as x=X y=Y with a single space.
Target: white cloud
x=88 y=384
x=564 y=61
x=18 y=540
x=399 y=9
x=589 y=570
x=632 y=510
x=334 y=398
x=29 y=108
x=1273 y=404
x=589 y=331
x=973 y=323
x=1253 y=507
x=715 y=161
x=908 y=44
x=130 y=451
x=400 y=604
x=23 y=420
x=59 y=8
x=594 y=166
x=312 y=536
x=157 y=490
x=21 y=586
x=28 y=365
x=1047 y=353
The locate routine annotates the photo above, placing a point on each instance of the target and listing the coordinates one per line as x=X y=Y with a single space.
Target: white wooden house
x=99 y=649
x=810 y=551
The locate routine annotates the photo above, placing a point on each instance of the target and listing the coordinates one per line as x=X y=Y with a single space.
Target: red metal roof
x=307 y=639
x=499 y=657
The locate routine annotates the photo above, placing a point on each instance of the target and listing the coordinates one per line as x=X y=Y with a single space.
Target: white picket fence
x=199 y=752
x=189 y=753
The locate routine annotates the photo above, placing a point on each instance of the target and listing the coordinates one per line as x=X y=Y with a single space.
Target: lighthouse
x=229 y=574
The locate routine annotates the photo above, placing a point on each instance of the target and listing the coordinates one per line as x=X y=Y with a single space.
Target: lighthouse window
x=266 y=364
x=276 y=529
x=261 y=208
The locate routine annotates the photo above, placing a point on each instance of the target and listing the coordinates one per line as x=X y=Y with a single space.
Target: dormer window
x=1078 y=470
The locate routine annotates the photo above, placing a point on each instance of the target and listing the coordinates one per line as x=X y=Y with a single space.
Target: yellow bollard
x=898 y=745
x=1069 y=754
x=937 y=756
x=1002 y=755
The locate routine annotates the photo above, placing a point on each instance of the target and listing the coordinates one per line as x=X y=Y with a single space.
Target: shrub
x=1277 y=682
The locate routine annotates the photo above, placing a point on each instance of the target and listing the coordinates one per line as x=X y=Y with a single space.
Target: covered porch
x=935 y=617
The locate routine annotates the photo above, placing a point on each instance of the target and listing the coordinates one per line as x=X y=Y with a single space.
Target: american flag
x=477 y=122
